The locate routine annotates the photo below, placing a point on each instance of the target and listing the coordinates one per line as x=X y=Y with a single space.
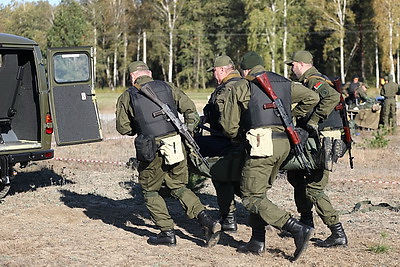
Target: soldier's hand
x=312 y=129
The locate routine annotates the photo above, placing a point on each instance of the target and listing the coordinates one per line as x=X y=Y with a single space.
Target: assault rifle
x=181 y=127
x=286 y=120
x=343 y=114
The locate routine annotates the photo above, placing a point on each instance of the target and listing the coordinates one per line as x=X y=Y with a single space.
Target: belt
x=279 y=135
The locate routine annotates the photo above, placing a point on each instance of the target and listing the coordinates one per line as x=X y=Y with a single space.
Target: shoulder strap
x=321 y=77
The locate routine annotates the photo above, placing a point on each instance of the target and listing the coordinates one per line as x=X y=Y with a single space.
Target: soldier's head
x=300 y=62
x=137 y=69
x=249 y=61
x=356 y=78
x=223 y=65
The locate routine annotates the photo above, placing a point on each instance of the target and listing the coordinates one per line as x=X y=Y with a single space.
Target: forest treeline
x=180 y=38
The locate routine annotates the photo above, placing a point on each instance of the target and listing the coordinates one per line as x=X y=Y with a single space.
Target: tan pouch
x=260 y=140
x=335 y=134
x=171 y=149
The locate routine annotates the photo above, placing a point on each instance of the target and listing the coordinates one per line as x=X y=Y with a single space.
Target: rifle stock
x=181 y=127
x=263 y=80
x=343 y=114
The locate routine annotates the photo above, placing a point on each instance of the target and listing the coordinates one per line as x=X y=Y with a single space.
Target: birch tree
x=332 y=15
x=387 y=19
x=264 y=17
x=169 y=11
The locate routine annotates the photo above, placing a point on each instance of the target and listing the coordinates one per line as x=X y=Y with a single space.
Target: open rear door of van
x=72 y=96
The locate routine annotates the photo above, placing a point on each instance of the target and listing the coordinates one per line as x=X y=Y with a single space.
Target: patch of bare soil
x=68 y=213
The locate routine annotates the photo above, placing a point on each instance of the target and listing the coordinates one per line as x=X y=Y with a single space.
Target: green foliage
x=379 y=139
x=70 y=25
x=205 y=29
x=380 y=248
x=30 y=20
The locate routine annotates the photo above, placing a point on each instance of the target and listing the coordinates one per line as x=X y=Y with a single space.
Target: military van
x=35 y=102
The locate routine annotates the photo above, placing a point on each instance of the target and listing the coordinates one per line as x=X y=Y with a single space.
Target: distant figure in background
x=389 y=91
x=356 y=92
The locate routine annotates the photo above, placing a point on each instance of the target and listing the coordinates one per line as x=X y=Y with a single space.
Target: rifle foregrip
x=293 y=136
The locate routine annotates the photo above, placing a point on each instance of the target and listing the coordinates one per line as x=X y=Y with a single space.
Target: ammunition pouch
x=171 y=149
x=260 y=141
x=146 y=148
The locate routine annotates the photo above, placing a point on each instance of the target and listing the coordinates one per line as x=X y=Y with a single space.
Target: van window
x=71 y=67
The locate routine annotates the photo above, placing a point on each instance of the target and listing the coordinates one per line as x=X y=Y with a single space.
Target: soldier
x=226 y=170
x=389 y=91
x=160 y=151
x=356 y=92
x=244 y=114
x=324 y=120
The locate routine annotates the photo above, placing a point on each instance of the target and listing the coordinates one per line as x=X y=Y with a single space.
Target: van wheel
x=4 y=190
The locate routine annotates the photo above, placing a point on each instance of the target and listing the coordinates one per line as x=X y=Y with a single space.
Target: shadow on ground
x=131 y=214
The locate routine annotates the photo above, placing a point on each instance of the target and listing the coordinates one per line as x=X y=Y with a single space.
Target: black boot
x=211 y=228
x=307 y=219
x=256 y=245
x=166 y=238
x=337 y=238
x=301 y=234
x=228 y=223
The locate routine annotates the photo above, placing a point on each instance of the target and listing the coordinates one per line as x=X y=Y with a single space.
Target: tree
x=387 y=19
x=30 y=20
x=333 y=16
x=70 y=26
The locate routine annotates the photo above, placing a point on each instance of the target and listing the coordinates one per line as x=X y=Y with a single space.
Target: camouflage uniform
x=389 y=91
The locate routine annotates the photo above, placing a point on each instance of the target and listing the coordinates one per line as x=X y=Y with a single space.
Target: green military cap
x=300 y=56
x=137 y=65
x=250 y=60
x=221 y=61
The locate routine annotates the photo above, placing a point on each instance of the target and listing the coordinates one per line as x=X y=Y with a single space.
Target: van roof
x=11 y=39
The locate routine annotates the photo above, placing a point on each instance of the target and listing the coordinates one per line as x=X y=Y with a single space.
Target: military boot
x=166 y=238
x=256 y=245
x=301 y=234
x=337 y=238
x=210 y=227
x=228 y=222
x=307 y=219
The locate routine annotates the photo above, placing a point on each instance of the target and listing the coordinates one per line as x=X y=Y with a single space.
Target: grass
x=380 y=248
x=106 y=99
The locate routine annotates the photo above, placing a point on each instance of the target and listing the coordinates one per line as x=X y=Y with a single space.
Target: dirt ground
x=69 y=213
